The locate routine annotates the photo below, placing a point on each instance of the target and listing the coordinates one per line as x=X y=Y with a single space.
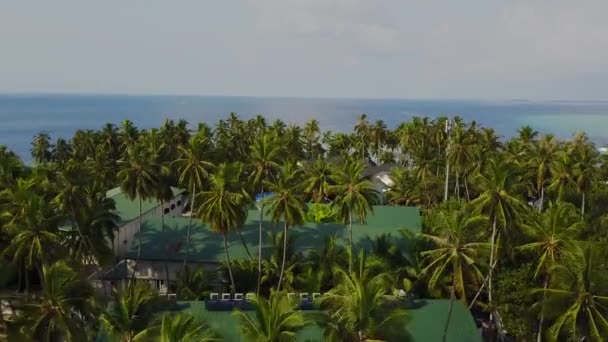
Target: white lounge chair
x=238 y=296
x=304 y=296
x=315 y=295
x=214 y=296
x=225 y=296
x=250 y=295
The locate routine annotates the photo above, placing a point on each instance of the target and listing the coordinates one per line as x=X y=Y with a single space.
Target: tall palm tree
x=193 y=169
x=404 y=190
x=318 y=180
x=455 y=253
x=35 y=242
x=94 y=224
x=64 y=308
x=585 y=170
x=177 y=328
x=354 y=196
x=497 y=200
x=552 y=240
x=127 y=134
x=562 y=175
x=138 y=175
x=223 y=208
x=130 y=311
x=359 y=307
x=11 y=167
x=265 y=157
x=311 y=139
x=41 y=148
x=276 y=319
x=577 y=302
x=543 y=154
x=286 y=204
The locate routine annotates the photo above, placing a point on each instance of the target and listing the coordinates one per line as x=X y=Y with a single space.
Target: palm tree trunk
x=350 y=242
x=492 y=256
x=485 y=281
x=193 y=196
x=138 y=239
x=542 y=198
x=162 y=222
x=284 y=255
x=466 y=188
x=233 y=286
x=261 y=208
x=447 y=180
x=244 y=244
x=542 y=312
x=452 y=299
x=457 y=186
x=583 y=206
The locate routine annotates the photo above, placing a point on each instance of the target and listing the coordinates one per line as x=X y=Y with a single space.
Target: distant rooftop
x=128 y=209
x=427 y=319
x=207 y=246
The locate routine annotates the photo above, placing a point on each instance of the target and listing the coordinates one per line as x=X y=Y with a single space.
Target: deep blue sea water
x=22 y=116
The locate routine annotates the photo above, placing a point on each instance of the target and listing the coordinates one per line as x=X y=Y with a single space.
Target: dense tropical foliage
x=508 y=223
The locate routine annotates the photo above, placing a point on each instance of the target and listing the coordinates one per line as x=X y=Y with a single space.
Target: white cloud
x=351 y=24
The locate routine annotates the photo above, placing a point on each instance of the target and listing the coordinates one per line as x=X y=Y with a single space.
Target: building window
x=179 y=202
x=166 y=211
x=172 y=206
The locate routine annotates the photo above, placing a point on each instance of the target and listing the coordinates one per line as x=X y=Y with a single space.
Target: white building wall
x=125 y=235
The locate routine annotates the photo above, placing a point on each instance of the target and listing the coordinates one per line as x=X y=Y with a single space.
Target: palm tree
x=404 y=190
x=223 y=208
x=562 y=175
x=64 y=308
x=138 y=176
x=577 y=300
x=311 y=139
x=191 y=284
x=130 y=311
x=11 y=167
x=193 y=169
x=527 y=134
x=362 y=132
x=497 y=201
x=94 y=224
x=265 y=157
x=158 y=146
x=543 y=158
x=178 y=328
x=359 y=307
x=354 y=195
x=35 y=242
x=276 y=319
x=41 y=148
x=552 y=239
x=286 y=204
x=454 y=254
x=318 y=180
x=127 y=134
x=585 y=170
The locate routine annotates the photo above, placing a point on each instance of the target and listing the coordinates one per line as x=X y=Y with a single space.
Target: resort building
x=128 y=211
x=148 y=253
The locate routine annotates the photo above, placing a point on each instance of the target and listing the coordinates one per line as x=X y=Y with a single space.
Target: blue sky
x=476 y=49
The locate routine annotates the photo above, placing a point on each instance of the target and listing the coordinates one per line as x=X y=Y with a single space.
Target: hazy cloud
x=368 y=48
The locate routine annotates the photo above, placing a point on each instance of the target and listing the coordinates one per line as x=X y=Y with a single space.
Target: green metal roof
x=206 y=246
x=426 y=322
x=128 y=209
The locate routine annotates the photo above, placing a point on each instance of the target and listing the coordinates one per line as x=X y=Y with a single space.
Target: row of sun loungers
x=225 y=301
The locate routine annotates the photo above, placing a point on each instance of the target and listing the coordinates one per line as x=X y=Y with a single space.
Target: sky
x=473 y=49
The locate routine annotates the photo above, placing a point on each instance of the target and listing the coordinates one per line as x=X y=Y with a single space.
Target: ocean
x=23 y=116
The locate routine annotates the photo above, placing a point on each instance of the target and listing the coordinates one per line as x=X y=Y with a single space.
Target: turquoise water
x=22 y=116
